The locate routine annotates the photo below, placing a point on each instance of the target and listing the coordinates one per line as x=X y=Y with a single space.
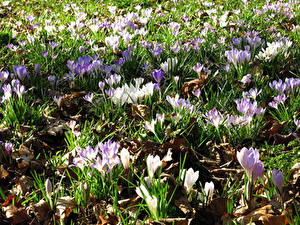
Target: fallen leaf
x=140 y=111
x=3 y=172
x=41 y=210
x=193 y=85
x=16 y=215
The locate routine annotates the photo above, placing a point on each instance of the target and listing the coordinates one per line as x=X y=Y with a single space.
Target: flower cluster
x=289 y=84
x=273 y=49
x=91 y=156
x=214 y=117
x=132 y=94
x=249 y=160
x=238 y=57
x=180 y=103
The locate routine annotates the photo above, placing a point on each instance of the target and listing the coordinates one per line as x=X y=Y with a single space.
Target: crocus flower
x=258 y=170
x=152 y=204
x=209 y=189
x=142 y=191
x=158 y=75
x=273 y=104
x=8 y=148
x=7 y=91
x=20 y=71
x=190 y=178
x=197 y=93
x=100 y=165
x=89 y=97
x=277 y=178
x=150 y=126
x=214 y=117
x=48 y=188
x=37 y=68
x=51 y=79
x=246 y=79
x=153 y=163
x=280 y=98
x=248 y=158
x=297 y=123
x=101 y=85
x=125 y=158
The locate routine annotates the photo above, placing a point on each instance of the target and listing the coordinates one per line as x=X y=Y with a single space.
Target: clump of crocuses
x=254 y=168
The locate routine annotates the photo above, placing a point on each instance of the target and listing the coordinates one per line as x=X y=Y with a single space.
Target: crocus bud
x=209 y=189
x=125 y=158
x=277 y=178
x=101 y=85
x=190 y=178
x=48 y=187
x=152 y=204
x=37 y=68
x=258 y=170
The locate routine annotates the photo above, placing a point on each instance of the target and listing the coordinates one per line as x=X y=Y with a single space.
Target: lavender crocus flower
x=277 y=178
x=248 y=158
x=20 y=71
x=258 y=170
x=89 y=97
x=214 y=117
x=44 y=54
x=246 y=79
x=19 y=90
x=99 y=165
x=8 y=148
x=101 y=85
x=280 y=98
x=51 y=79
x=158 y=75
x=273 y=104
x=7 y=92
x=37 y=68
x=4 y=75
x=110 y=92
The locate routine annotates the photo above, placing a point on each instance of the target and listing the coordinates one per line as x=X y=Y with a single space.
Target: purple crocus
x=101 y=85
x=4 y=75
x=44 y=54
x=7 y=91
x=110 y=92
x=89 y=97
x=20 y=71
x=273 y=104
x=19 y=90
x=51 y=79
x=8 y=148
x=158 y=75
x=258 y=170
x=37 y=68
x=248 y=158
x=280 y=98
x=214 y=117
x=277 y=178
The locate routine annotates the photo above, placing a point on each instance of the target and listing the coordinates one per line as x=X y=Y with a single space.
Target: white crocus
x=190 y=178
x=209 y=189
x=125 y=158
x=48 y=188
x=152 y=204
x=153 y=163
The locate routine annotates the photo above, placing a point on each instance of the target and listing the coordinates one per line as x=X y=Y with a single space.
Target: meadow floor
x=149 y=112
